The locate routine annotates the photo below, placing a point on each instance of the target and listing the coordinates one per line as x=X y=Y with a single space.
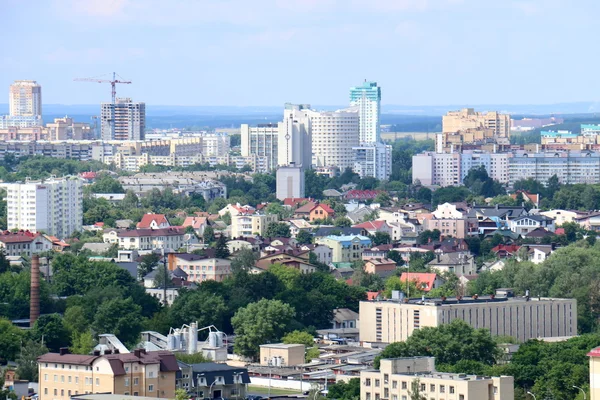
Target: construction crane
x=113 y=83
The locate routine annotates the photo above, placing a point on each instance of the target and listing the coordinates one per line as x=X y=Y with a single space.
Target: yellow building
x=469 y=119
x=394 y=320
x=398 y=378
x=346 y=248
x=141 y=373
x=282 y=355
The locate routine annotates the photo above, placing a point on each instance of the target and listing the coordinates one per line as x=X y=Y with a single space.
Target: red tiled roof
x=424 y=280
x=88 y=175
x=18 y=237
x=325 y=208
x=559 y=231
x=362 y=194
x=194 y=222
x=371 y=225
x=373 y=295
x=295 y=201
x=509 y=248
x=148 y=218
x=307 y=208
x=171 y=231
x=595 y=352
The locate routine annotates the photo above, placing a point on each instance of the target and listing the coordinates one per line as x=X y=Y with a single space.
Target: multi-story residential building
x=261 y=140
x=200 y=268
x=215 y=144
x=373 y=160
x=334 y=136
x=172 y=238
x=569 y=167
x=468 y=118
x=25 y=99
x=54 y=206
x=250 y=225
x=294 y=146
x=404 y=378
x=455 y=227
x=65 y=128
x=24 y=243
x=523 y=318
x=346 y=248
x=127 y=118
x=290 y=183
x=141 y=373
x=366 y=98
x=214 y=380
x=594 y=356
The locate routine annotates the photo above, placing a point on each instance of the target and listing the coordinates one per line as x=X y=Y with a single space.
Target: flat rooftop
x=280 y=346
x=451 y=301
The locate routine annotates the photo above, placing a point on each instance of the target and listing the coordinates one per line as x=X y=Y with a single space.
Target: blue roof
x=346 y=240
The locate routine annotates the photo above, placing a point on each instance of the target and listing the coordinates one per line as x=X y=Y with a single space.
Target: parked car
x=254 y=397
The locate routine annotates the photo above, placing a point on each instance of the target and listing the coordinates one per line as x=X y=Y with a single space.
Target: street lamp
x=582 y=391
x=532 y=395
x=211 y=386
x=198 y=384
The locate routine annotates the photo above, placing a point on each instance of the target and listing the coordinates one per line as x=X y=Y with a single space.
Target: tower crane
x=113 y=83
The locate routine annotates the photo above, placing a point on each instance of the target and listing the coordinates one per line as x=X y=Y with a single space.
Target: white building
x=54 y=206
x=334 y=135
x=373 y=160
x=25 y=99
x=215 y=144
x=261 y=140
x=295 y=137
x=290 y=182
x=367 y=99
x=128 y=118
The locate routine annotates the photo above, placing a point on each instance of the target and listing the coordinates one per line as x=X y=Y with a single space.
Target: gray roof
x=359 y=214
x=344 y=314
x=130 y=266
x=96 y=247
x=325 y=231
x=331 y=193
x=451 y=259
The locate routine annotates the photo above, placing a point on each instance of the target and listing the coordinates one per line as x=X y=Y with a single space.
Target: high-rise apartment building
x=290 y=182
x=261 y=140
x=294 y=145
x=216 y=144
x=366 y=98
x=523 y=318
x=127 y=117
x=54 y=206
x=469 y=119
x=25 y=99
x=373 y=160
x=334 y=135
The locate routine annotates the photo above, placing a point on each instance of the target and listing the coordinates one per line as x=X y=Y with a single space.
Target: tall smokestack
x=34 y=297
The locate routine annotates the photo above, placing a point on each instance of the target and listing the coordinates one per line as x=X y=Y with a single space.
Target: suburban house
x=171 y=238
x=344 y=318
x=323 y=253
x=299 y=262
x=304 y=210
x=321 y=212
x=362 y=194
x=197 y=223
x=525 y=224
x=537 y=253
x=506 y=250
x=448 y=211
x=153 y=221
x=200 y=268
x=357 y=216
x=372 y=227
x=591 y=222
x=236 y=209
x=392 y=214
x=423 y=280
x=383 y=267
x=563 y=216
x=528 y=197
x=141 y=373
x=24 y=243
x=176 y=277
x=214 y=380
x=458 y=228
x=297 y=225
x=235 y=245
x=346 y=248
x=459 y=263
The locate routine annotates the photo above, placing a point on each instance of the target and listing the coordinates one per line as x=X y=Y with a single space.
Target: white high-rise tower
x=367 y=99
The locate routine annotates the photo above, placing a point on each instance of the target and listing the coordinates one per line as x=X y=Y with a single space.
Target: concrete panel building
x=519 y=317
x=468 y=118
x=295 y=137
x=334 y=134
x=397 y=377
x=373 y=160
x=127 y=117
x=366 y=98
x=261 y=140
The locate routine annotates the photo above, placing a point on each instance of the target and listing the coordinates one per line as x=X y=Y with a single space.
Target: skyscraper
x=295 y=137
x=129 y=120
x=367 y=100
x=334 y=134
x=25 y=99
x=261 y=140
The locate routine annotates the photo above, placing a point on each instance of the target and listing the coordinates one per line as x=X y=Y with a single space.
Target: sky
x=268 y=52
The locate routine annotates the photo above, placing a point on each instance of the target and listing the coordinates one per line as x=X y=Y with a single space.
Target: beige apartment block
x=250 y=225
x=457 y=228
x=397 y=378
x=469 y=119
x=594 y=356
x=62 y=375
x=282 y=355
x=388 y=321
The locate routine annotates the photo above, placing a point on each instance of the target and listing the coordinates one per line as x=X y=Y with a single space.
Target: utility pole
x=166 y=274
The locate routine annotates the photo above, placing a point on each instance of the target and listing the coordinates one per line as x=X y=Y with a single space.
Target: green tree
x=11 y=338
x=278 y=229
x=106 y=184
x=201 y=306
x=245 y=259
x=196 y=358
x=221 y=249
x=51 y=329
x=342 y=222
x=304 y=237
x=159 y=279
x=147 y=264
x=258 y=323
x=76 y=320
x=381 y=238
x=27 y=366
x=384 y=199
x=83 y=343
x=415 y=390
x=299 y=337
x=345 y=390
x=208 y=235
x=181 y=394
x=122 y=317
x=396 y=256
x=287 y=275
x=226 y=218
x=427 y=236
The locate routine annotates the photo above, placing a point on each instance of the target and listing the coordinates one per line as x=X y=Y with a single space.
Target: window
x=97 y=381
x=45 y=390
x=495 y=389
x=368 y=396
x=69 y=379
x=377 y=382
x=386 y=393
x=404 y=385
x=423 y=387
x=451 y=389
x=69 y=393
x=151 y=388
x=432 y=388
x=386 y=378
x=135 y=393
x=55 y=378
x=461 y=397
x=135 y=381
x=56 y=392
x=394 y=384
x=442 y=389
x=46 y=377
x=368 y=382
x=126 y=382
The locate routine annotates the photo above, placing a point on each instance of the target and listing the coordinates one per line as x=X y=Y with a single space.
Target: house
x=297 y=225
x=334 y=230
x=342 y=272
x=245 y=225
x=304 y=210
x=423 y=280
x=235 y=245
x=383 y=267
x=175 y=277
x=299 y=262
x=153 y=221
x=460 y=263
x=332 y=194
x=171 y=238
x=236 y=209
x=380 y=251
x=538 y=234
x=295 y=202
x=362 y=194
x=200 y=268
x=416 y=208
x=97 y=248
x=197 y=223
x=215 y=381
x=528 y=197
x=506 y=250
x=24 y=243
x=159 y=293
x=392 y=214
x=537 y=253
x=346 y=248
x=357 y=216
x=344 y=318
x=448 y=211
x=591 y=222
x=561 y=217
x=372 y=227
x=492 y=266
x=321 y=212
x=525 y=224
x=323 y=253
x=123 y=223
x=458 y=228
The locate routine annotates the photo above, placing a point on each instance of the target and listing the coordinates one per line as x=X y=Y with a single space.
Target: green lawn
x=265 y=390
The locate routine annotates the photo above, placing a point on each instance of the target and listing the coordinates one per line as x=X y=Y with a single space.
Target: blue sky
x=267 y=52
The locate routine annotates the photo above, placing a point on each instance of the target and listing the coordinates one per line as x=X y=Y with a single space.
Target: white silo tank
x=213 y=339
x=192 y=338
x=220 y=336
x=171 y=342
